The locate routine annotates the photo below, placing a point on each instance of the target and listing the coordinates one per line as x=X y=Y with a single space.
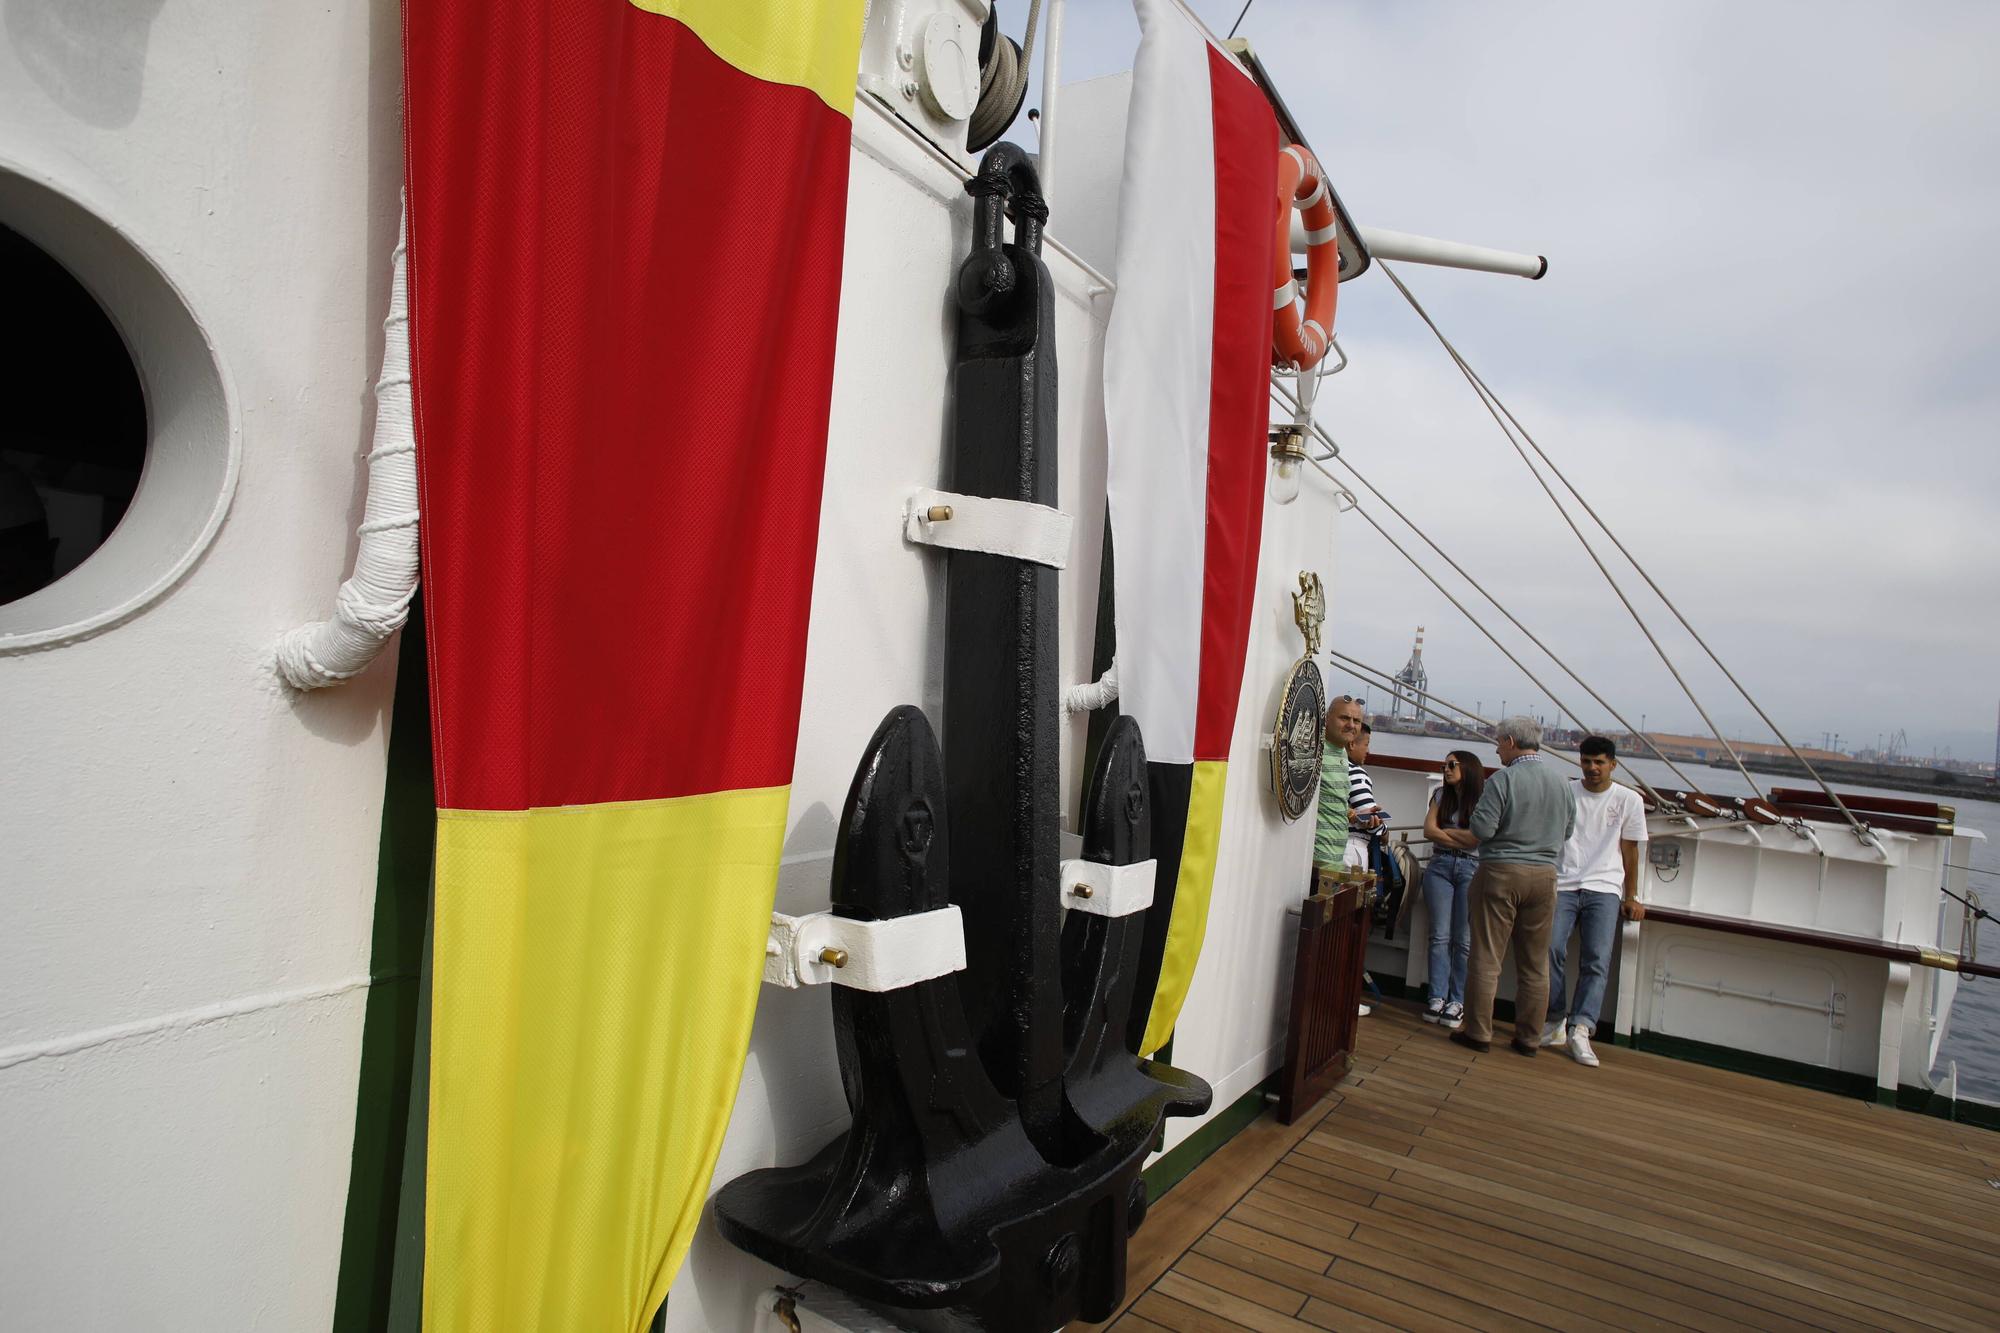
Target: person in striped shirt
x=1365 y=817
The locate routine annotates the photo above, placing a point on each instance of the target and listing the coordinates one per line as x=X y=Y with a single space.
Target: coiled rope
x=1003 y=83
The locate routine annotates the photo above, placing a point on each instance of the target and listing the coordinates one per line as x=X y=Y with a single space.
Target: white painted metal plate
x=1108 y=890
x=879 y=955
x=950 y=65
x=997 y=527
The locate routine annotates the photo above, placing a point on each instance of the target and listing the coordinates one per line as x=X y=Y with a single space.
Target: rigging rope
x=1361 y=671
x=1492 y=401
x=1479 y=388
x=1511 y=618
x=1977 y=910
x=1491 y=637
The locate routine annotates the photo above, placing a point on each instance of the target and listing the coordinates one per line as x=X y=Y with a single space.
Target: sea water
x=1972 y=1038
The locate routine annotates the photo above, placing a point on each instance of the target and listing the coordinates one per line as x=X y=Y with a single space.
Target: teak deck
x=1436 y=1188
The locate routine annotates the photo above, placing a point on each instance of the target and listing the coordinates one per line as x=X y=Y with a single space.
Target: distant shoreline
x=1941 y=783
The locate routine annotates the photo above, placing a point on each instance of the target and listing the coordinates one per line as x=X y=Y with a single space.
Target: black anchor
x=990 y=1177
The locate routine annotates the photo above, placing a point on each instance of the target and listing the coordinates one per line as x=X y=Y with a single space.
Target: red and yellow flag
x=625 y=249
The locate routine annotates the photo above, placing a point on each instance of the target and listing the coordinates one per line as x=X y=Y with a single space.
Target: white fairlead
x=375 y=600
x=1090 y=886
x=885 y=955
x=997 y=527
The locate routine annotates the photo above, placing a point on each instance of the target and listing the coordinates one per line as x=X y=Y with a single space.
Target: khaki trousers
x=1518 y=900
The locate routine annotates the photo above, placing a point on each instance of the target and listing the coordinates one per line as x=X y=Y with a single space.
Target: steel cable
x=1362 y=672
x=1591 y=551
x=1491 y=401
x=1561 y=707
x=1512 y=619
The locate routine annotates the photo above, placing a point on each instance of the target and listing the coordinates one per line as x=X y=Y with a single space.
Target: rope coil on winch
x=1003 y=79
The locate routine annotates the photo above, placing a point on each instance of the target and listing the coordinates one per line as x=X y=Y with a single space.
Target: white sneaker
x=1553 y=1034
x=1365 y=1010
x=1579 y=1047
x=1434 y=1011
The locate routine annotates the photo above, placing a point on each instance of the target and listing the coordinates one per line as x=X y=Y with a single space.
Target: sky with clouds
x=1765 y=347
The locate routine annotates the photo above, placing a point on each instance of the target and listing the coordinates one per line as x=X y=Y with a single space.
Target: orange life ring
x=1297 y=342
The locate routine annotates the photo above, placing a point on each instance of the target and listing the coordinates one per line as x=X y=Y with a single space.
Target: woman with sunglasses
x=1446 y=879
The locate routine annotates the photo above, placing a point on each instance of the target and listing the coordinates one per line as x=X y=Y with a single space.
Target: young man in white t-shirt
x=1599 y=869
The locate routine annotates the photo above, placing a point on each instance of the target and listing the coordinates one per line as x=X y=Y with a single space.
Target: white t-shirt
x=1590 y=859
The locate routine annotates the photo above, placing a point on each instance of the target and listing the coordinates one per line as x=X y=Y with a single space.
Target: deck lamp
x=1288 y=459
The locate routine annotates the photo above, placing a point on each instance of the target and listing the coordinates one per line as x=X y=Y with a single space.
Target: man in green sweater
x=1343 y=725
x=1343 y=728
x=1524 y=816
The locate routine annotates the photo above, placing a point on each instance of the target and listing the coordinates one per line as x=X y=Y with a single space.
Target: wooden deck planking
x=1441 y=1189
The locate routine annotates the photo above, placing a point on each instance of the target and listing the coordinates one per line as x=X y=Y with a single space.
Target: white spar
x=1385 y=244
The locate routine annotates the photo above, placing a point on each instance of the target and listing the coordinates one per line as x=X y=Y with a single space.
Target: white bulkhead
x=188 y=850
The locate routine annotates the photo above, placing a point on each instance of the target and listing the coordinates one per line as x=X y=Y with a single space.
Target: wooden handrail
x=1872 y=818
x=1887 y=805
x=1824 y=939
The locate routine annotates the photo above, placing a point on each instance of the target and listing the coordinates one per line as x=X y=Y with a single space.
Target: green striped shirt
x=1330 y=840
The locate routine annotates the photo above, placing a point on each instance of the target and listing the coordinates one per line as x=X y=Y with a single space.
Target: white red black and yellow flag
x=1187 y=363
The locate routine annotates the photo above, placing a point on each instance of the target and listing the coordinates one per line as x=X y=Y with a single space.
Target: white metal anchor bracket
x=1102 y=890
x=982 y=523
x=887 y=955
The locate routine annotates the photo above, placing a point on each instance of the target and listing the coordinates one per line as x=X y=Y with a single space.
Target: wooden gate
x=1326 y=994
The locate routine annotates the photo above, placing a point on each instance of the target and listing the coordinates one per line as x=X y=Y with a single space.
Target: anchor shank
x=1000 y=685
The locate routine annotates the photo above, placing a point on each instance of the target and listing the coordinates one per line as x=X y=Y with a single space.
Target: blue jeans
x=1446 y=879
x=1597 y=913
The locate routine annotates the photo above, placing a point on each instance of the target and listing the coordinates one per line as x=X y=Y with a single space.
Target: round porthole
x=118 y=451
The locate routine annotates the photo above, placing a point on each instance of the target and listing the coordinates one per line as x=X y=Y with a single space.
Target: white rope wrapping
x=1090 y=698
x=375 y=601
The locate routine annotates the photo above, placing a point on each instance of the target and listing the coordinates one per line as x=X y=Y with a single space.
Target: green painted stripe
x=389 y=1035
x=1761 y=1066
x=1173 y=1167
x=1923 y=1101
